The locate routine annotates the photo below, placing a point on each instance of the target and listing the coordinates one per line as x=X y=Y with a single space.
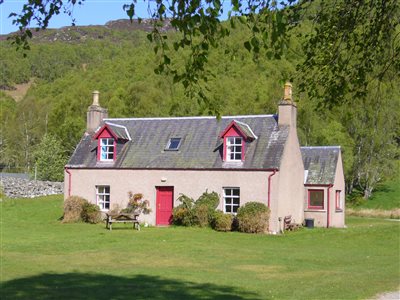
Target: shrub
x=205 y=208
x=184 y=213
x=221 y=221
x=137 y=204
x=253 y=217
x=73 y=207
x=210 y=200
x=91 y=213
x=50 y=159
x=202 y=215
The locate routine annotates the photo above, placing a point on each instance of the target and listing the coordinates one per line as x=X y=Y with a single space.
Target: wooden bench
x=289 y=225
x=122 y=218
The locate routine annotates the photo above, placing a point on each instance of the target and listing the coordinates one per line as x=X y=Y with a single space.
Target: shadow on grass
x=98 y=286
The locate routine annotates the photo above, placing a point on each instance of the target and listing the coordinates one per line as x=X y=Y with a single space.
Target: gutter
x=328 y=207
x=269 y=188
x=69 y=180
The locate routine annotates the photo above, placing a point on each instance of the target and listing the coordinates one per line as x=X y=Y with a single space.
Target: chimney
x=95 y=114
x=287 y=114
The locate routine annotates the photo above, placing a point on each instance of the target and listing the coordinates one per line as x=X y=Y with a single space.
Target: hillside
x=65 y=65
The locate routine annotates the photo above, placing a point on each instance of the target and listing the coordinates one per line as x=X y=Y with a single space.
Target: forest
x=64 y=66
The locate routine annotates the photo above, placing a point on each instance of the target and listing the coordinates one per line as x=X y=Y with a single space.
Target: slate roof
x=120 y=131
x=201 y=147
x=320 y=164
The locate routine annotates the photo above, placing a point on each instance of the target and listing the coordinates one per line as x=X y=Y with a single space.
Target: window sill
x=339 y=210
x=314 y=210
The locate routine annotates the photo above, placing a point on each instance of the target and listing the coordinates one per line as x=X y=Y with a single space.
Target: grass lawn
x=386 y=196
x=42 y=258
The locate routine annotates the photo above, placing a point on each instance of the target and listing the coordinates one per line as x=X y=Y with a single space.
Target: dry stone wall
x=23 y=188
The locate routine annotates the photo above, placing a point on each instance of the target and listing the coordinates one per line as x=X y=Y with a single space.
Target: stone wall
x=23 y=188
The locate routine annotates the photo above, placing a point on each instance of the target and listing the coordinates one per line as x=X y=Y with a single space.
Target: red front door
x=164 y=204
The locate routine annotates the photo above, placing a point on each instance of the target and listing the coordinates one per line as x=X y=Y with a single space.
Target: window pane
x=236 y=201
x=228 y=200
x=228 y=209
x=236 y=192
x=317 y=198
x=235 y=208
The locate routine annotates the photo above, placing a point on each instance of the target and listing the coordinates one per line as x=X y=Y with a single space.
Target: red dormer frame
x=232 y=130
x=105 y=132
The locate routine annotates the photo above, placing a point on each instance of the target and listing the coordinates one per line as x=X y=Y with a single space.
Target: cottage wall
x=291 y=182
x=336 y=215
x=253 y=185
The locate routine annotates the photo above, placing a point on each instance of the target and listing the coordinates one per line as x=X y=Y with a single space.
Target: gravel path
x=388 y=296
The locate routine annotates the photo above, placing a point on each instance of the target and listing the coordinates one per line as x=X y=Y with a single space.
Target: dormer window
x=106 y=149
x=107 y=138
x=235 y=136
x=173 y=144
x=234 y=148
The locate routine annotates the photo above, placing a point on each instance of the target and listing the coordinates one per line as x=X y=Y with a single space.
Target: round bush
x=91 y=213
x=253 y=217
x=221 y=221
x=73 y=207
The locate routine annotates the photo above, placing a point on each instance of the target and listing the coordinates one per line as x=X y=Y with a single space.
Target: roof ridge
x=188 y=118
x=319 y=147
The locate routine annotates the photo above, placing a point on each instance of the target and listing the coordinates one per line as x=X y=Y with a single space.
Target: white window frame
x=103 y=197
x=338 y=200
x=107 y=149
x=228 y=194
x=233 y=143
x=170 y=142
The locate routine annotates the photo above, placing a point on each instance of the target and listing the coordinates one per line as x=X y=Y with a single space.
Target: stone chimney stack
x=287 y=114
x=95 y=114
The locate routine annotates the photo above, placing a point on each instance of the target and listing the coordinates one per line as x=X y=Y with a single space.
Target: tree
x=347 y=39
x=50 y=159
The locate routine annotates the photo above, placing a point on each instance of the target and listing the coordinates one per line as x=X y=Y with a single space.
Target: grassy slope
x=44 y=259
x=386 y=196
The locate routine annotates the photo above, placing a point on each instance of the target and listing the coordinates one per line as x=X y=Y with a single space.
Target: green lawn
x=386 y=196
x=42 y=258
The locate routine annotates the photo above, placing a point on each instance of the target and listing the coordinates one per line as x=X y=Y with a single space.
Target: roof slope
x=320 y=164
x=201 y=147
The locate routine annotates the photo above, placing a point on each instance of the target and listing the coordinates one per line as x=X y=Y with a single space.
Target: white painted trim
x=120 y=126
x=321 y=147
x=232 y=197
x=244 y=124
x=189 y=118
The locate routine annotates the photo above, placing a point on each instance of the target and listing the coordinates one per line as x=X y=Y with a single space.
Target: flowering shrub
x=137 y=204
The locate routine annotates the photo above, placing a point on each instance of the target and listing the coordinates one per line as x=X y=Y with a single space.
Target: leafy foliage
x=221 y=221
x=50 y=159
x=91 y=213
x=137 y=204
x=253 y=217
x=184 y=214
x=205 y=208
x=199 y=212
x=364 y=119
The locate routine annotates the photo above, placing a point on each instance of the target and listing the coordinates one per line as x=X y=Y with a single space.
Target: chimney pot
x=96 y=98
x=287 y=96
x=96 y=114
